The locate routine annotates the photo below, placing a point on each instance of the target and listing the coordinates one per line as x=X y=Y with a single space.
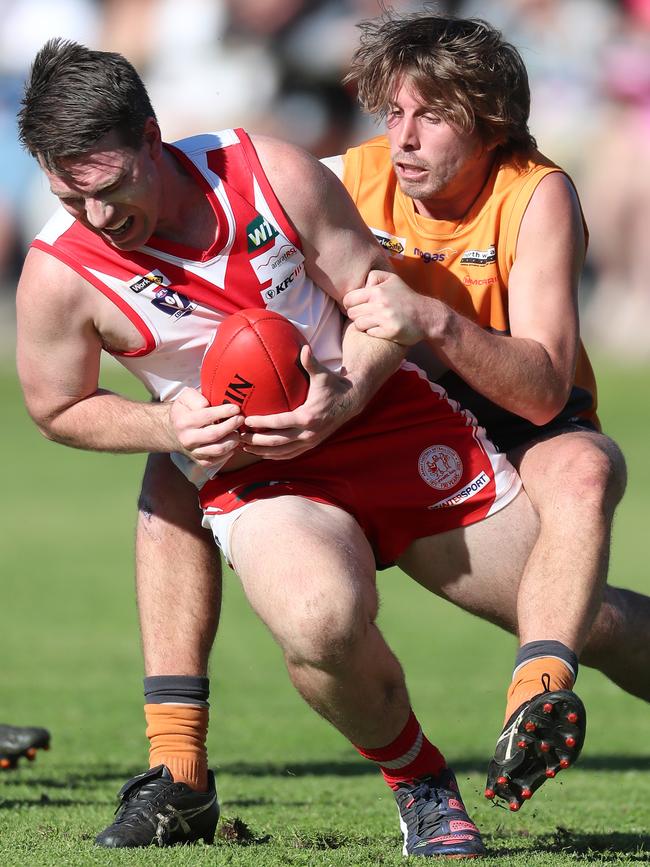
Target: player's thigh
x=574 y=467
x=306 y=567
x=479 y=567
x=167 y=497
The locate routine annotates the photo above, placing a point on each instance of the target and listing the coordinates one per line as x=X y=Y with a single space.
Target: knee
x=326 y=635
x=590 y=476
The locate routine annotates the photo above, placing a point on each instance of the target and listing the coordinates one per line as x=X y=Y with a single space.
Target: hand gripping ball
x=254 y=362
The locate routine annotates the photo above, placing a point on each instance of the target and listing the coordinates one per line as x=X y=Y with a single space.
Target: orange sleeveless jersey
x=466 y=264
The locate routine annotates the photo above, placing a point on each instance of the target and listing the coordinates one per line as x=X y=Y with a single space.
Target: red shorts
x=412 y=464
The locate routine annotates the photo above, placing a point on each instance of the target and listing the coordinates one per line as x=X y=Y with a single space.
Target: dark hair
x=74 y=96
x=461 y=67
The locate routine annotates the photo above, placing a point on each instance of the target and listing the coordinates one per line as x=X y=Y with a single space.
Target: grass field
x=71 y=661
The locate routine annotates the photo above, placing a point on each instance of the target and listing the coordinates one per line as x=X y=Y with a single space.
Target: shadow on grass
x=359 y=768
x=42 y=801
x=73 y=780
x=335 y=768
x=584 y=847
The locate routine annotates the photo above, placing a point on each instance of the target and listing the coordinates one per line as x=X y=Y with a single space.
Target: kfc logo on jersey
x=391 y=243
x=274 y=291
x=259 y=232
x=440 y=467
x=479 y=257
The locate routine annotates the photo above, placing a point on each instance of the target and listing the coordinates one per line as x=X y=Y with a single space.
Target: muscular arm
x=58 y=357
x=339 y=249
x=339 y=252
x=531 y=371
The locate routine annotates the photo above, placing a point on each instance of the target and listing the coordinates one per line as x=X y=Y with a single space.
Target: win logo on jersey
x=154 y=286
x=259 y=232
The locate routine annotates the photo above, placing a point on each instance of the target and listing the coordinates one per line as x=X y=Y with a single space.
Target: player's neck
x=455 y=202
x=188 y=217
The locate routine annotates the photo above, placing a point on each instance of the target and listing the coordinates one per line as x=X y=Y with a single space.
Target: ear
x=153 y=138
x=494 y=143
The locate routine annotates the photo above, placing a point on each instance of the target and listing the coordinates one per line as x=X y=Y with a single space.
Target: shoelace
x=427 y=799
x=165 y=828
x=129 y=803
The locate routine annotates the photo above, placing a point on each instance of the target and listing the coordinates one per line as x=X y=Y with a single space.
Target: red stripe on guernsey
x=267 y=190
x=181 y=250
x=82 y=245
x=195 y=287
x=231 y=165
x=147 y=336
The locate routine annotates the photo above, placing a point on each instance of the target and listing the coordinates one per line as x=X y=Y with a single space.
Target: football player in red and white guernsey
x=152 y=247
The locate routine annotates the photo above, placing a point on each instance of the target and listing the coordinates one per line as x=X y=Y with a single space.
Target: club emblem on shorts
x=440 y=467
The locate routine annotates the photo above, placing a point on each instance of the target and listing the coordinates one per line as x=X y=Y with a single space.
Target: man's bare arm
x=339 y=254
x=58 y=358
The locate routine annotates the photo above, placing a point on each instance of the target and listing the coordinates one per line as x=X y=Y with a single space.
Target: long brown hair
x=461 y=68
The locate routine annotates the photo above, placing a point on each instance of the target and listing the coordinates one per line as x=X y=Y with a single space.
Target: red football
x=254 y=361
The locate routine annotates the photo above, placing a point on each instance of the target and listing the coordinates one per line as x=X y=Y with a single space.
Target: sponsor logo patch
x=479 y=281
x=275 y=262
x=440 y=467
x=274 y=291
x=285 y=252
x=470 y=490
x=153 y=278
x=438 y=256
x=259 y=232
x=391 y=243
x=479 y=257
x=155 y=287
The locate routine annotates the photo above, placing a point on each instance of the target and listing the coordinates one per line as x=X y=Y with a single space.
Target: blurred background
x=69 y=642
x=275 y=66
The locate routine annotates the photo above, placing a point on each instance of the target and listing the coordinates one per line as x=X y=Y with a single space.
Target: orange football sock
x=541 y=674
x=177 y=735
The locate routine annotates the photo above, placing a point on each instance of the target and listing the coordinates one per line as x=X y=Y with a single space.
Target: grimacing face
x=432 y=160
x=112 y=190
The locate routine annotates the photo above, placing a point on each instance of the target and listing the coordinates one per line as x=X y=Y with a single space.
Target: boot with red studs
x=542 y=737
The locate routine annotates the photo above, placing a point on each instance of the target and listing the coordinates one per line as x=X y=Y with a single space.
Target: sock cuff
x=538 y=649
x=185 y=721
x=177 y=689
x=402 y=744
x=431 y=765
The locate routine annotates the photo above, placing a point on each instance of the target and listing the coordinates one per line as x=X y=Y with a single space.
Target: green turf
x=71 y=661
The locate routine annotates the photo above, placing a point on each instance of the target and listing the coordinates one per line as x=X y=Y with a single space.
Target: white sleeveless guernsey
x=177 y=296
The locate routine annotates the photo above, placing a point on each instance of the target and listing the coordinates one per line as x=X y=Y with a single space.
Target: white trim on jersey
x=334 y=164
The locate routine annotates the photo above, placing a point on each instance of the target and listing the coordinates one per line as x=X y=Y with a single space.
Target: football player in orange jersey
x=488 y=240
